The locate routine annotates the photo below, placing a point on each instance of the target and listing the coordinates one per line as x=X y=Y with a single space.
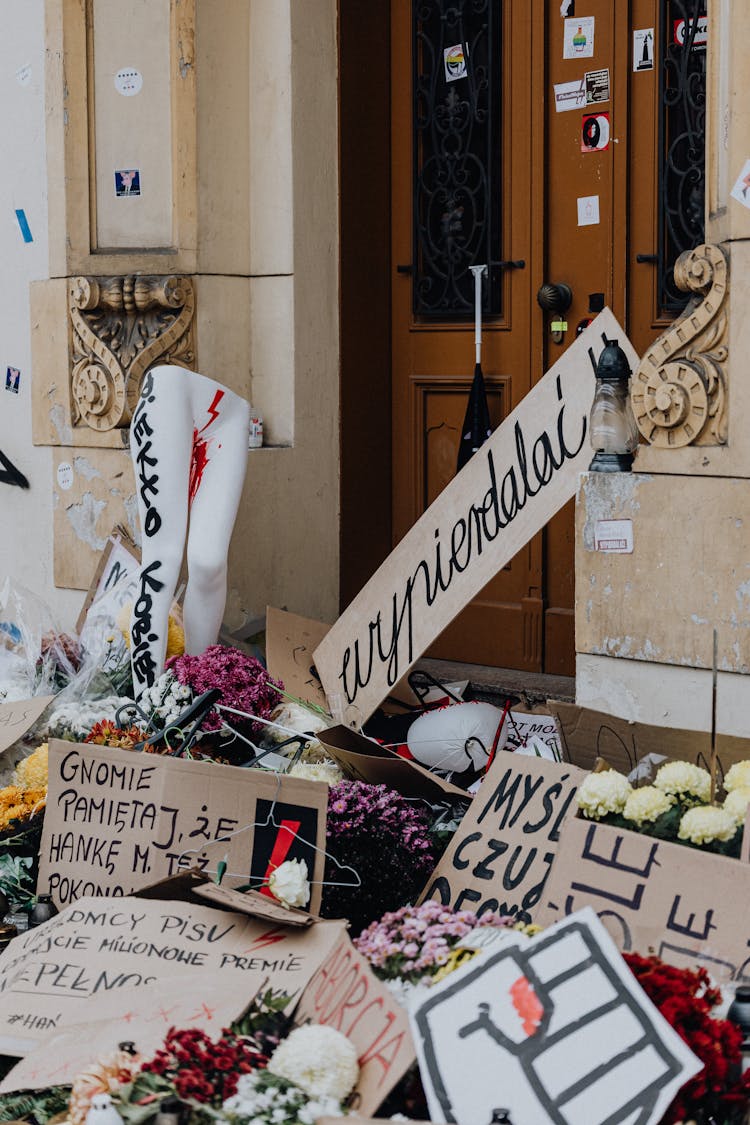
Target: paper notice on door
x=588 y=210
x=643 y=49
x=578 y=41
x=570 y=95
x=741 y=190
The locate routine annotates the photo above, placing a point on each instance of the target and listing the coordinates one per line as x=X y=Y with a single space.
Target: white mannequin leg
x=161 y=441
x=189 y=447
x=213 y=510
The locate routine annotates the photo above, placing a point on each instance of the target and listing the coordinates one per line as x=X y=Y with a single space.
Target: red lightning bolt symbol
x=213 y=412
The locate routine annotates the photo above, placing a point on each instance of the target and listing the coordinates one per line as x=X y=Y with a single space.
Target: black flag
x=476 y=428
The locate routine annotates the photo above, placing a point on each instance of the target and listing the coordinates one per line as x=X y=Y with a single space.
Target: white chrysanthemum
x=603 y=793
x=736 y=802
x=684 y=781
x=317 y=771
x=319 y=1059
x=705 y=823
x=737 y=777
x=289 y=883
x=646 y=805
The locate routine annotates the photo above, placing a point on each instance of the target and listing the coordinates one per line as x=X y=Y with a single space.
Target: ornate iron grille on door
x=457 y=205
x=682 y=149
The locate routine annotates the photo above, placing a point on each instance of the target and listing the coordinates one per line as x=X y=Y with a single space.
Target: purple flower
x=242 y=680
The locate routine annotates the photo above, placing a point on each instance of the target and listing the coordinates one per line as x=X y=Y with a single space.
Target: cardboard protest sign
x=99 y=946
x=137 y=1015
x=19 y=717
x=506 y=493
x=523 y=726
x=555 y=1030
x=364 y=760
x=500 y=857
x=119 y=559
x=117 y=820
x=291 y=641
x=687 y=906
x=345 y=994
x=587 y=735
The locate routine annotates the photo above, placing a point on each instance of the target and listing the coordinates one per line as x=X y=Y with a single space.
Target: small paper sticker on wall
x=12 y=379
x=128 y=81
x=594 y=132
x=127 y=182
x=643 y=49
x=741 y=190
x=570 y=95
x=588 y=210
x=578 y=40
x=65 y=475
x=597 y=86
x=23 y=75
x=454 y=60
x=614 y=537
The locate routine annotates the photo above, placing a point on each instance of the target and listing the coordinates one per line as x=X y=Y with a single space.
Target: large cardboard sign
x=137 y=1015
x=99 y=946
x=508 y=491
x=290 y=643
x=118 y=820
x=19 y=717
x=345 y=994
x=587 y=735
x=685 y=905
x=365 y=760
x=564 y=1023
x=502 y=853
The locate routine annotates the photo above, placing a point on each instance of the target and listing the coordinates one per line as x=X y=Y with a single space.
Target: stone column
x=645 y=620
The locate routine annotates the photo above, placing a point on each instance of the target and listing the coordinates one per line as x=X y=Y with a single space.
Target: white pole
x=478 y=272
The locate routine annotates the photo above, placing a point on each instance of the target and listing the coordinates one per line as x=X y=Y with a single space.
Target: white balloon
x=457 y=738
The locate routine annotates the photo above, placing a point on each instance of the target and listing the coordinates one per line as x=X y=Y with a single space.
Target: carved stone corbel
x=679 y=391
x=121 y=327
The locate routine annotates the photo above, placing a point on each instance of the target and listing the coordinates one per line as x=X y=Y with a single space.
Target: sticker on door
x=594 y=132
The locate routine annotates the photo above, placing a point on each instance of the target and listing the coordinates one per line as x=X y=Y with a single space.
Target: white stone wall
x=25 y=515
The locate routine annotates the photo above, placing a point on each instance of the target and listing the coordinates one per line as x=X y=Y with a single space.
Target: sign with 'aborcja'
x=509 y=490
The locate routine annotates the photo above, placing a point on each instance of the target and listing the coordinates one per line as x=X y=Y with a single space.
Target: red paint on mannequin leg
x=198 y=462
x=199 y=457
x=527 y=1004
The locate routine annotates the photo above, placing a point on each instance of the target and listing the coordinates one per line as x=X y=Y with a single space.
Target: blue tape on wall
x=23 y=223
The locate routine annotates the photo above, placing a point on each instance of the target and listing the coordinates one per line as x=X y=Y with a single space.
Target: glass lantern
x=612 y=428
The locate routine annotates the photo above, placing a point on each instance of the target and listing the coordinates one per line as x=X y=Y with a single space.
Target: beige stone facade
x=226 y=261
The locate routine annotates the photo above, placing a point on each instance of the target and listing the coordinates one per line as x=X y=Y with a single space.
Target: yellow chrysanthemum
x=646 y=805
x=603 y=793
x=10 y=795
x=31 y=773
x=705 y=823
x=736 y=802
x=175 y=632
x=738 y=777
x=686 y=782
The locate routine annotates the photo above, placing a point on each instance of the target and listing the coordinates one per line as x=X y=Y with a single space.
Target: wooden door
x=462 y=194
x=570 y=210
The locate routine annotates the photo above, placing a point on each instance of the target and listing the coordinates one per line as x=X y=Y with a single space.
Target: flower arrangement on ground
x=686 y=999
x=386 y=839
x=675 y=806
x=416 y=942
x=242 y=680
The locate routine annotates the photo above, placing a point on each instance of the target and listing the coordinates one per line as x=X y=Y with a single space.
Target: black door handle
x=555 y=297
x=511 y=264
